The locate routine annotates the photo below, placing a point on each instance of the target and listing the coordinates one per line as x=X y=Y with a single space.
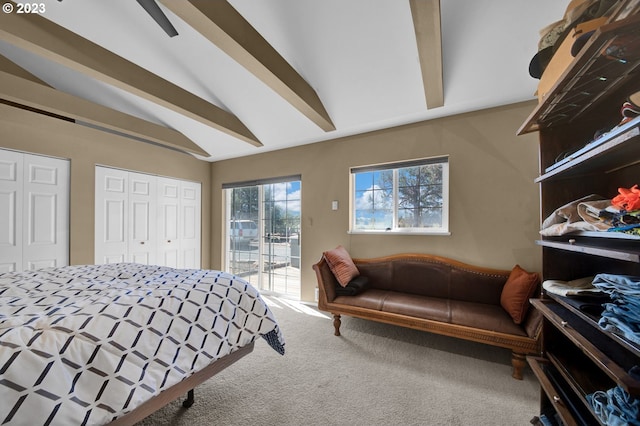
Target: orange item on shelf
x=627 y=199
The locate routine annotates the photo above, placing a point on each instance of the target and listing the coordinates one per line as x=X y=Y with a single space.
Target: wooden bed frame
x=186 y=386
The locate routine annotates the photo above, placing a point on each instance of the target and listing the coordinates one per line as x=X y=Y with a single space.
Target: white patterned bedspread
x=86 y=344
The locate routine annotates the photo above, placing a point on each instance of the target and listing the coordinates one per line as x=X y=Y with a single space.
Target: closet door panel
x=34 y=211
x=191 y=224
x=11 y=164
x=111 y=210
x=40 y=231
x=45 y=194
x=168 y=222
x=142 y=218
x=114 y=227
x=147 y=219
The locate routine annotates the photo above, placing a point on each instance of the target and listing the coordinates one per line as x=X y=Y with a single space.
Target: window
x=405 y=197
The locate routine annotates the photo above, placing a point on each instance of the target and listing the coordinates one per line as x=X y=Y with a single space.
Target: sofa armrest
x=533 y=323
x=326 y=283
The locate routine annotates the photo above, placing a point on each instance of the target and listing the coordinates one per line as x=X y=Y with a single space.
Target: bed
x=100 y=344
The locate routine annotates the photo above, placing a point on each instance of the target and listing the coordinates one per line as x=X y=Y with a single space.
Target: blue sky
x=291 y=192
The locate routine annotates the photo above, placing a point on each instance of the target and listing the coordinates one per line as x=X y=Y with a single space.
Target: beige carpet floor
x=374 y=374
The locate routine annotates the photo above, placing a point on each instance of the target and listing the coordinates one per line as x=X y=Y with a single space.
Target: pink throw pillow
x=341 y=265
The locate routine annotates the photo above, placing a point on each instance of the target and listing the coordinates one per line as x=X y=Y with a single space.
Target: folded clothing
x=592 y=213
x=567 y=218
x=622 y=315
x=615 y=407
x=355 y=286
x=577 y=287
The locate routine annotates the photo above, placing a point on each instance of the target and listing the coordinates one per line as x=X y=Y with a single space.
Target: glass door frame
x=263 y=277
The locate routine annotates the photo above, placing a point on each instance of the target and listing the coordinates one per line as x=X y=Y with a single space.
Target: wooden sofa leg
x=336 y=324
x=518 y=362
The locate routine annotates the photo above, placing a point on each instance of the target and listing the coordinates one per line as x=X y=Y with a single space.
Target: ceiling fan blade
x=158 y=15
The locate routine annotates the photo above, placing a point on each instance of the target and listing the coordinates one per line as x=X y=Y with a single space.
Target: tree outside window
x=407 y=196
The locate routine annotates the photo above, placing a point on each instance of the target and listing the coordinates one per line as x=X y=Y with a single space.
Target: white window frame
x=443 y=229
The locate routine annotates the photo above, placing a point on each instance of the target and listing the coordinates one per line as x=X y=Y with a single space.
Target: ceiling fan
x=158 y=15
x=152 y=8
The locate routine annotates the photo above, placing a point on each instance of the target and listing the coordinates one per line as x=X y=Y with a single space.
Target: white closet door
x=142 y=218
x=168 y=222
x=147 y=219
x=34 y=211
x=111 y=236
x=11 y=165
x=46 y=230
x=190 y=224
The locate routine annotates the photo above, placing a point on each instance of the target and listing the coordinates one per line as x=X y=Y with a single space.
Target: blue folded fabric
x=615 y=407
x=628 y=285
x=622 y=316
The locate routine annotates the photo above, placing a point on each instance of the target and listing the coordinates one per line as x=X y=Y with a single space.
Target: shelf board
x=600 y=67
x=595 y=344
x=581 y=384
x=573 y=304
x=540 y=366
x=617 y=149
x=628 y=251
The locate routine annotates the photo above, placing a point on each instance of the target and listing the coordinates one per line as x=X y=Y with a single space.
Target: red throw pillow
x=519 y=288
x=341 y=265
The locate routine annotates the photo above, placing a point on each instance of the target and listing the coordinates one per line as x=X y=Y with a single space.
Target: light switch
x=334 y=205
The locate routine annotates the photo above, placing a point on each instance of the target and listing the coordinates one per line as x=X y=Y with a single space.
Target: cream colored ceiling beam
x=221 y=24
x=12 y=68
x=31 y=94
x=45 y=38
x=426 y=21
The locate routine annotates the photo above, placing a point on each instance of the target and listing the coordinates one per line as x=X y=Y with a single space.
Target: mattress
x=86 y=344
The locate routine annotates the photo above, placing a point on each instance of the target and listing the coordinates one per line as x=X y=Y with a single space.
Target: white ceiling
x=360 y=56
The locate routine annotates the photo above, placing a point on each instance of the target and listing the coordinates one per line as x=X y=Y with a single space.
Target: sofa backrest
x=477 y=285
x=434 y=276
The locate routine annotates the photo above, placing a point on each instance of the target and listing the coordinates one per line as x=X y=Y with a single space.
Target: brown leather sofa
x=434 y=294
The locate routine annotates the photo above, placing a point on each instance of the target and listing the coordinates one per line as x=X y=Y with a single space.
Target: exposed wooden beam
x=12 y=68
x=40 y=97
x=221 y=24
x=426 y=21
x=43 y=37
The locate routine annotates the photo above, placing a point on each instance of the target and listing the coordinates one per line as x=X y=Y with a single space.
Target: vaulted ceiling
x=244 y=76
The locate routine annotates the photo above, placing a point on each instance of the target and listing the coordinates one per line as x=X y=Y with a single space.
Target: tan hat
x=552 y=35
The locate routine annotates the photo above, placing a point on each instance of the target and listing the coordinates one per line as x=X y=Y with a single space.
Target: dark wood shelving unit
x=585 y=150
x=606 y=62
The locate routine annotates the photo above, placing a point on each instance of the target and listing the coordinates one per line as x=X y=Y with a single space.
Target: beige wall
x=85 y=147
x=494 y=203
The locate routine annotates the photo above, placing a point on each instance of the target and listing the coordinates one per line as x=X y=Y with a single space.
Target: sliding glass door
x=281 y=237
x=263 y=234
x=242 y=242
